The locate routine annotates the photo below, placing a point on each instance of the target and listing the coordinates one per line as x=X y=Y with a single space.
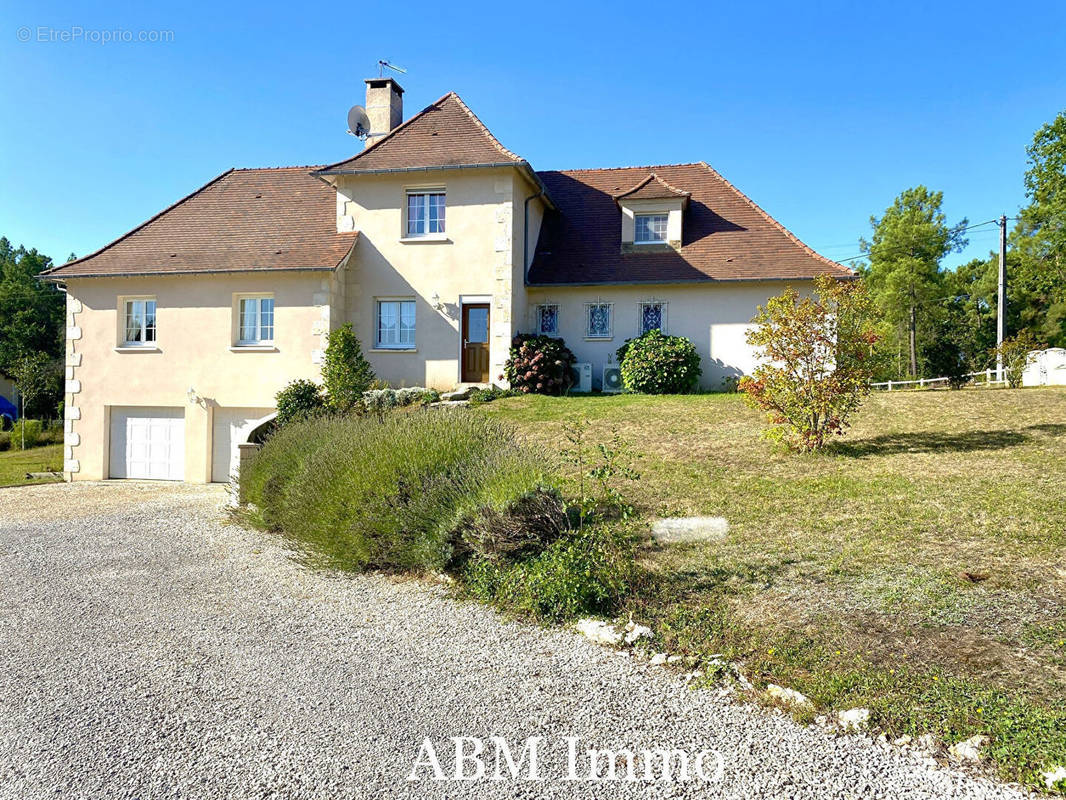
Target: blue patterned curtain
x=651 y=317
x=599 y=320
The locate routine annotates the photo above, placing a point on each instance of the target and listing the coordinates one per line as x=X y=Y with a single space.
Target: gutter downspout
x=525 y=235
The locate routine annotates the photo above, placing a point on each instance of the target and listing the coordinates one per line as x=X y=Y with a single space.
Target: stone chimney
x=384 y=107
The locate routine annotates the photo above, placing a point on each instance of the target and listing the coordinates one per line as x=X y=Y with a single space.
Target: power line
x=967 y=228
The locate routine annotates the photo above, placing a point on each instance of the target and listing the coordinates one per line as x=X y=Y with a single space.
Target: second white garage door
x=232 y=426
x=148 y=443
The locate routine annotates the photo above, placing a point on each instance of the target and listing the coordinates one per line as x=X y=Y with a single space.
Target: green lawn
x=14 y=464
x=917 y=568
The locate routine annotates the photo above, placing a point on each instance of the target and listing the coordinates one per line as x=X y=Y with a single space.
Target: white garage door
x=148 y=443
x=232 y=426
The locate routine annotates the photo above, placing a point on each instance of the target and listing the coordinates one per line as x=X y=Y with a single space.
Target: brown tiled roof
x=725 y=236
x=444 y=134
x=245 y=219
x=652 y=188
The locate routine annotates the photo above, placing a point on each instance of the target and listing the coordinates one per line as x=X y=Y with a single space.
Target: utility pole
x=1001 y=319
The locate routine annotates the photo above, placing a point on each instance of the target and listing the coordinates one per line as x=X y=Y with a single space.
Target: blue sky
x=821 y=112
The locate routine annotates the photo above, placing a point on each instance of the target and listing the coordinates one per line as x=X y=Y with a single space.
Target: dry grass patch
x=929 y=541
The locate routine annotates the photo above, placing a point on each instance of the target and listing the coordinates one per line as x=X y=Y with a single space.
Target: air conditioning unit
x=612 y=379
x=582 y=377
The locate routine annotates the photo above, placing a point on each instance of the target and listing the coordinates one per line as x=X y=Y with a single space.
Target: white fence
x=987 y=379
x=1044 y=368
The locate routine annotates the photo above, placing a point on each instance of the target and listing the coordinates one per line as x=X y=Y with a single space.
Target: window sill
x=393 y=350
x=598 y=338
x=253 y=348
x=437 y=238
x=137 y=348
x=649 y=247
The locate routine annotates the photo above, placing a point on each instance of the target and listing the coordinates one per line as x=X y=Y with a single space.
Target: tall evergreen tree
x=1037 y=267
x=31 y=311
x=905 y=251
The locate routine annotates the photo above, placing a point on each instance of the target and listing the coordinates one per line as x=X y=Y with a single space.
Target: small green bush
x=586 y=571
x=394 y=491
x=1015 y=354
x=657 y=364
x=481 y=396
x=539 y=364
x=298 y=401
x=34 y=435
x=5 y=441
x=51 y=434
x=345 y=371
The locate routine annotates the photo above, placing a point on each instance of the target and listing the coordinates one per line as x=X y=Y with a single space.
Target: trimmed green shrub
x=345 y=371
x=395 y=491
x=657 y=364
x=298 y=401
x=586 y=571
x=539 y=364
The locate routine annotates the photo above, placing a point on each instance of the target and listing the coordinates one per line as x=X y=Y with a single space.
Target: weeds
x=598 y=468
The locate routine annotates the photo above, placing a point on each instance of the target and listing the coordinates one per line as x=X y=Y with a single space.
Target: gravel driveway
x=150 y=649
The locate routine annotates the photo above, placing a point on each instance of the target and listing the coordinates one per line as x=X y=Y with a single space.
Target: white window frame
x=665 y=216
x=145 y=341
x=442 y=223
x=259 y=340
x=610 y=321
x=640 y=315
x=540 y=329
x=399 y=301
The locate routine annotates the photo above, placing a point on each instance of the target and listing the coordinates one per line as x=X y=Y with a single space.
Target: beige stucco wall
x=477 y=260
x=524 y=245
x=195 y=323
x=715 y=316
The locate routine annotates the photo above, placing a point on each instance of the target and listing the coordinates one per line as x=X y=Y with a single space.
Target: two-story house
x=436 y=242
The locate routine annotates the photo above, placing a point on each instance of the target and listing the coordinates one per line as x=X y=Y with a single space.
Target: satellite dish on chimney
x=358 y=122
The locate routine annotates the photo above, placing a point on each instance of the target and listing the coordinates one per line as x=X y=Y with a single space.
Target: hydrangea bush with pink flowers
x=539 y=365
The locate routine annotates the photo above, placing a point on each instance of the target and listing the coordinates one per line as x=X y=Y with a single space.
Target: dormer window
x=650 y=228
x=651 y=215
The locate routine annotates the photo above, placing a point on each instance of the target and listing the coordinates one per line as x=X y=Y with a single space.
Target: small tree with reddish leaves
x=817 y=358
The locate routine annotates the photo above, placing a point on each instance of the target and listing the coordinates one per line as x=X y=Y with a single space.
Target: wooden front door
x=475 y=343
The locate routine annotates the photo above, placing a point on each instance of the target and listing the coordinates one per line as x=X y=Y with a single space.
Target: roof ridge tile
x=775 y=223
x=143 y=225
x=485 y=130
x=619 y=169
x=445 y=153
x=652 y=177
x=390 y=134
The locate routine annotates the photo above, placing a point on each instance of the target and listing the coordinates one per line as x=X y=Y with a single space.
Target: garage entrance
x=148 y=443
